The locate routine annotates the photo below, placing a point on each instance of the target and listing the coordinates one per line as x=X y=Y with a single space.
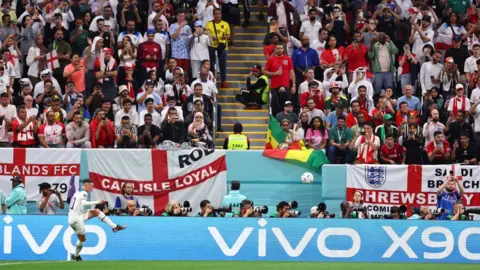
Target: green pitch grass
x=211 y=265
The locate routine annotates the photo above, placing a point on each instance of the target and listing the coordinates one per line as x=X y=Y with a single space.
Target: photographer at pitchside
x=50 y=200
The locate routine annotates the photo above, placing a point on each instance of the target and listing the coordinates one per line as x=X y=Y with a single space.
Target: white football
x=307 y=178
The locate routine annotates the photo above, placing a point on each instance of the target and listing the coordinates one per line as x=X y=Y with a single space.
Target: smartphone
x=451 y=173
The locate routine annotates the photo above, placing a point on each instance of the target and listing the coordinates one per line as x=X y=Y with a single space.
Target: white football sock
x=106 y=220
x=78 y=248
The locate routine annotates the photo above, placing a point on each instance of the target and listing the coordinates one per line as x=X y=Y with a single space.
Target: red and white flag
x=39 y=165
x=52 y=60
x=443 y=42
x=384 y=186
x=159 y=176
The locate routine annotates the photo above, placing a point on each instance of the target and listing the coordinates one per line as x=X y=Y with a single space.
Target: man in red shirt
x=52 y=133
x=355 y=110
x=24 y=129
x=357 y=54
x=392 y=152
x=269 y=50
x=102 y=132
x=439 y=149
x=280 y=69
x=149 y=55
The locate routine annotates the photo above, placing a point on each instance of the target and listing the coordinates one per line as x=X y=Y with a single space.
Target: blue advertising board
x=157 y=238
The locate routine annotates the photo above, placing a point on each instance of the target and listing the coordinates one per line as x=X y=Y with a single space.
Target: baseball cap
x=44 y=185
x=150 y=32
x=122 y=88
x=288 y=103
x=387 y=117
x=313 y=210
x=198 y=24
x=107 y=50
x=16 y=178
x=459 y=86
x=449 y=60
x=148 y=82
x=256 y=67
x=56 y=98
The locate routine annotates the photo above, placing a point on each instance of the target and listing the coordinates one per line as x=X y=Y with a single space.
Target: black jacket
x=174 y=132
x=188 y=105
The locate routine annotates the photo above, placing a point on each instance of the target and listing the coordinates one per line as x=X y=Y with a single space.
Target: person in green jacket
x=381 y=54
x=256 y=94
x=17 y=201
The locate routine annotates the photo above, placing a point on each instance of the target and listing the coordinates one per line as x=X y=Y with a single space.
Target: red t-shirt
x=357 y=57
x=24 y=137
x=268 y=50
x=400 y=117
x=438 y=156
x=352 y=121
x=394 y=153
x=276 y=63
x=406 y=66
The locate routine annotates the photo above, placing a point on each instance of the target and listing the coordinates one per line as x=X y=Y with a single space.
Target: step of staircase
x=247 y=51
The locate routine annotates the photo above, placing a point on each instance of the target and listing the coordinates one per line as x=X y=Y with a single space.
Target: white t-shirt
x=459 y=104
x=51 y=206
x=156 y=119
x=9 y=112
x=476 y=120
x=132 y=114
x=199 y=50
x=418 y=43
x=364 y=146
x=209 y=88
x=3 y=131
x=303 y=87
x=111 y=25
x=470 y=64
x=162 y=18
x=318 y=46
x=311 y=31
x=475 y=97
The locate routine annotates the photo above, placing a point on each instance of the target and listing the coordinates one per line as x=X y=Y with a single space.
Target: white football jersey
x=76 y=209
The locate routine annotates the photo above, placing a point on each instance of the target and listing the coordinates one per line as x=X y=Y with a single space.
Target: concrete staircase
x=247 y=51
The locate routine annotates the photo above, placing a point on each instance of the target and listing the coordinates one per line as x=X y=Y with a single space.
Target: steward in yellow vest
x=256 y=94
x=237 y=141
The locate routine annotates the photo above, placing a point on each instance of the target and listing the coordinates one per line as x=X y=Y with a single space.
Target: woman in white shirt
x=451 y=28
x=127 y=55
x=36 y=58
x=158 y=84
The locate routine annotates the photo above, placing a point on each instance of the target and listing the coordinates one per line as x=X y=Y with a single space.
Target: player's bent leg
x=103 y=218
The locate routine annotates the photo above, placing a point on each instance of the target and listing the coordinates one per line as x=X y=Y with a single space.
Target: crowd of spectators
x=112 y=73
x=379 y=81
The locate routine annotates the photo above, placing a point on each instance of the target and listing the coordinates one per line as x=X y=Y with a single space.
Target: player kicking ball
x=77 y=216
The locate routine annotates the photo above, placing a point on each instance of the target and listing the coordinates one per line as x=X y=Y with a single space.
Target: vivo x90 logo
x=396 y=243
x=21 y=232
x=292 y=251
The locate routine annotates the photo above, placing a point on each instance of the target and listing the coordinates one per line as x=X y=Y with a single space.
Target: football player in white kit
x=77 y=215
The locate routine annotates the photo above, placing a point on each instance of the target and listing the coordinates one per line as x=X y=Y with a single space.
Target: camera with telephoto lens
x=145 y=211
x=293 y=207
x=438 y=211
x=227 y=209
x=322 y=208
x=402 y=210
x=359 y=212
x=261 y=210
x=186 y=207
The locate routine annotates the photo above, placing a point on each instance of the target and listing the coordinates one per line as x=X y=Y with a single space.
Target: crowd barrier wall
x=162 y=238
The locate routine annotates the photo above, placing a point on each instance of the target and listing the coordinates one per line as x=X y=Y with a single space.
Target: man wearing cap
x=149 y=54
x=256 y=94
x=50 y=200
x=105 y=68
x=421 y=35
x=335 y=98
x=287 y=113
x=387 y=127
x=449 y=76
x=430 y=72
x=127 y=111
x=63 y=53
x=199 y=43
x=17 y=201
x=75 y=72
x=122 y=95
x=46 y=75
x=149 y=93
x=459 y=103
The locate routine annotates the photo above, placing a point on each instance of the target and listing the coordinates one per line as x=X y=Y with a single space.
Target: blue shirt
x=234 y=198
x=17 y=201
x=180 y=45
x=157 y=100
x=332 y=118
x=305 y=59
x=446 y=201
x=413 y=103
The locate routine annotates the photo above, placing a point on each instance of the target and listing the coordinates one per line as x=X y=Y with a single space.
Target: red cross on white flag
x=52 y=60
